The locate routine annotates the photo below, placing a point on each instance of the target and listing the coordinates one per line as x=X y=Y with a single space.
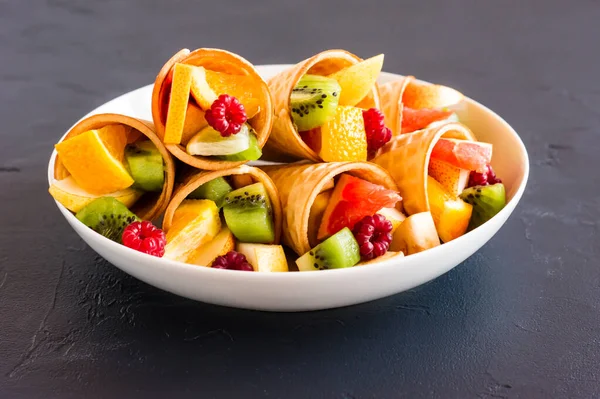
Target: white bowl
x=317 y=290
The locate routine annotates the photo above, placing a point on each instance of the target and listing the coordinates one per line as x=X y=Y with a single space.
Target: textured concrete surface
x=517 y=320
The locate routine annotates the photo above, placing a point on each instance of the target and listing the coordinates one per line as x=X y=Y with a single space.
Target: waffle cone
x=406 y=157
x=301 y=182
x=195 y=180
x=284 y=138
x=219 y=61
x=151 y=205
x=390 y=95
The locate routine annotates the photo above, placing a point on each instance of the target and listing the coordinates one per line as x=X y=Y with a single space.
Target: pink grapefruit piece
x=464 y=154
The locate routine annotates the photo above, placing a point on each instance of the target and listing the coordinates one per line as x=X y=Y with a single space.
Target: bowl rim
x=380 y=267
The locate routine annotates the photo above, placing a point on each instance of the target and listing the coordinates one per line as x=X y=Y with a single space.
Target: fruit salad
x=327 y=108
x=110 y=171
x=226 y=220
x=446 y=172
x=211 y=109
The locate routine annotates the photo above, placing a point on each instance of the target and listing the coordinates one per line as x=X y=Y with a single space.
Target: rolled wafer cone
x=151 y=205
x=219 y=61
x=390 y=95
x=195 y=180
x=300 y=183
x=406 y=158
x=284 y=137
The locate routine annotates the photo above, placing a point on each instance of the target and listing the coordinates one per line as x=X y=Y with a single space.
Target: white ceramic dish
x=317 y=290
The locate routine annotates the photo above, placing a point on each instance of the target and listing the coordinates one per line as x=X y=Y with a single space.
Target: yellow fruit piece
x=194 y=122
x=451 y=215
x=207 y=253
x=74 y=198
x=91 y=164
x=453 y=179
x=178 y=102
x=195 y=223
x=343 y=137
x=419 y=95
x=264 y=258
x=388 y=255
x=207 y=85
x=394 y=216
x=357 y=80
x=317 y=210
x=417 y=233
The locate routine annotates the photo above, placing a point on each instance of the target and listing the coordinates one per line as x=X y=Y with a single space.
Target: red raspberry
x=145 y=237
x=233 y=261
x=374 y=236
x=483 y=179
x=377 y=133
x=226 y=115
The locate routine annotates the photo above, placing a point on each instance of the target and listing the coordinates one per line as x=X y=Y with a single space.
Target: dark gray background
x=517 y=320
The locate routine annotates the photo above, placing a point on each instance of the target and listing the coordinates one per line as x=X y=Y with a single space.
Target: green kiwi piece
x=145 y=165
x=251 y=154
x=487 y=201
x=214 y=190
x=314 y=101
x=107 y=216
x=338 y=251
x=249 y=215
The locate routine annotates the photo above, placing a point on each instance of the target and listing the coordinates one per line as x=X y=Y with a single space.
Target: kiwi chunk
x=248 y=214
x=107 y=216
x=314 y=101
x=487 y=201
x=145 y=165
x=214 y=190
x=251 y=154
x=338 y=251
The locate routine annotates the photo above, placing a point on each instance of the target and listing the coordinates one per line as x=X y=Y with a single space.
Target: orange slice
x=114 y=138
x=178 y=102
x=194 y=122
x=195 y=223
x=92 y=164
x=451 y=215
x=357 y=80
x=343 y=137
x=208 y=85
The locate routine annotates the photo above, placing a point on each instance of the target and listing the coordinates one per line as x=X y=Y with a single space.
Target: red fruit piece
x=232 y=260
x=226 y=115
x=374 y=235
x=483 y=179
x=145 y=237
x=464 y=154
x=377 y=133
x=353 y=199
x=417 y=119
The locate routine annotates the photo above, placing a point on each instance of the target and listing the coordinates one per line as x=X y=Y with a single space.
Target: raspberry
x=233 y=261
x=377 y=133
x=374 y=235
x=483 y=179
x=226 y=115
x=145 y=237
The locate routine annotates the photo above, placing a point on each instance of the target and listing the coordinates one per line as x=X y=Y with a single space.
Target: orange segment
x=426 y=95
x=451 y=215
x=195 y=223
x=357 y=80
x=180 y=94
x=343 y=137
x=92 y=165
x=208 y=85
x=194 y=122
x=114 y=138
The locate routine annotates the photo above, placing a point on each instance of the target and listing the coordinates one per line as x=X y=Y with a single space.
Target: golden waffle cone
x=301 y=182
x=195 y=180
x=219 y=61
x=406 y=157
x=390 y=95
x=284 y=137
x=151 y=205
